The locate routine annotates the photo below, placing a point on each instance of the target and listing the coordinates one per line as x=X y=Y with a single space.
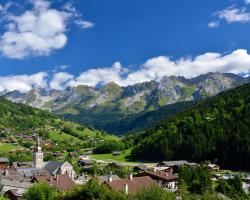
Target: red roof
x=167 y=176
x=61 y=182
x=134 y=185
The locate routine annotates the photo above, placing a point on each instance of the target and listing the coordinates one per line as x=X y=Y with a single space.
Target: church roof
x=52 y=166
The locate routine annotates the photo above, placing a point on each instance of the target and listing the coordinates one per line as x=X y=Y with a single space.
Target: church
x=52 y=167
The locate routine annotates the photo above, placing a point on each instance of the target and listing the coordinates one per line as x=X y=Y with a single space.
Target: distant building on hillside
x=4 y=163
x=176 y=164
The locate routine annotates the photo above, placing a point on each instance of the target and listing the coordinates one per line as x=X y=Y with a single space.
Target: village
x=17 y=177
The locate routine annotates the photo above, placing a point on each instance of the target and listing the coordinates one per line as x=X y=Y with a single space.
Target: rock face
x=88 y=104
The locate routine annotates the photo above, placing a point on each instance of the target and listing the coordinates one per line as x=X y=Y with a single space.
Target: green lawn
x=123 y=158
x=6 y=148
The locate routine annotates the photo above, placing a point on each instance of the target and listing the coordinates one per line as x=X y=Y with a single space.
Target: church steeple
x=38 y=155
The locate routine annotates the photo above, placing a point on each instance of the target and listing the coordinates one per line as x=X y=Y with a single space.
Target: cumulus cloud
x=93 y=77
x=233 y=15
x=38 y=31
x=59 y=80
x=237 y=62
x=23 y=83
x=247 y=1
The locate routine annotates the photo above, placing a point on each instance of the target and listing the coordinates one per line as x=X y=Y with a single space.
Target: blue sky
x=93 y=42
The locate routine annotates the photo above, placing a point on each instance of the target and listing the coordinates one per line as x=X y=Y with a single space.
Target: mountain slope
x=113 y=108
x=216 y=129
x=19 y=118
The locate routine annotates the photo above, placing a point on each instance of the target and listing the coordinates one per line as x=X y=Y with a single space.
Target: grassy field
x=55 y=136
x=123 y=158
x=6 y=148
x=88 y=132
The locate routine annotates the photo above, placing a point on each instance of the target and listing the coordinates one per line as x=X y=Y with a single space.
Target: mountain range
x=111 y=106
x=215 y=129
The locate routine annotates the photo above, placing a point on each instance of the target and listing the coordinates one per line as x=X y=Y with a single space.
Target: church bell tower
x=38 y=156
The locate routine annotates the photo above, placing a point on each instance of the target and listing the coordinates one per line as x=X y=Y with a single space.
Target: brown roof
x=61 y=181
x=167 y=176
x=134 y=185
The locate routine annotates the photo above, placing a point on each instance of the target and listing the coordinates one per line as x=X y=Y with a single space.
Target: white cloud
x=213 y=24
x=97 y=76
x=156 y=68
x=23 y=83
x=232 y=15
x=59 y=80
x=84 y=24
x=247 y=1
x=36 y=32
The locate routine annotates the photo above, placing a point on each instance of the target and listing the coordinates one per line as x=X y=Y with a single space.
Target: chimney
x=126 y=188
x=130 y=177
x=110 y=178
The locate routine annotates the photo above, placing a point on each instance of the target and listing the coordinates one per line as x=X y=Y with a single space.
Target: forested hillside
x=120 y=124
x=21 y=117
x=216 y=129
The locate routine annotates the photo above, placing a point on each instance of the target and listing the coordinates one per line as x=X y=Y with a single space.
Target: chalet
x=161 y=169
x=213 y=167
x=131 y=184
x=59 y=181
x=4 y=163
x=80 y=180
x=58 y=155
x=88 y=163
x=140 y=168
x=108 y=178
x=165 y=179
x=14 y=190
x=116 y=153
x=71 y=155
x=175 y=165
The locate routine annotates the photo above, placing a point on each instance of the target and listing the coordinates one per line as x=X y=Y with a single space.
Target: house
x=176 y=164
x=82 y=163
x=58 y=155
x=54 y=167
x=14 y=190
x=107 y=178
x=213 y=167
x=4 y=163
x=140 y=168
x=160 y=169
x=80 y=180
x=59 y=181
x=131 y=184
x=71 y=155
x=165 y=179
x=116 y=153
